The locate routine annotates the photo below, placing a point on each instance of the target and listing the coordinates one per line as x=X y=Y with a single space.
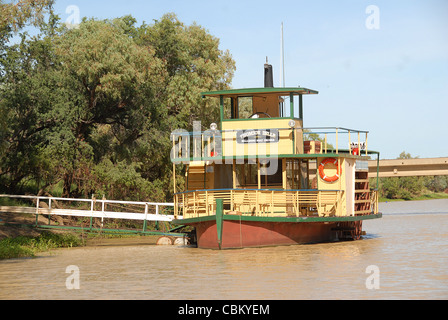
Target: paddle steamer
x=260 y=178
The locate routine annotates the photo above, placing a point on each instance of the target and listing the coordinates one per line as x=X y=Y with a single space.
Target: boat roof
x=254 y=91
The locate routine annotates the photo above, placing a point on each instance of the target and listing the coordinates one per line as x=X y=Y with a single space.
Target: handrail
x=261 y=202
x=268 y=202
x=87 y=200
x=191 y=133
x=254 y=189
x=92 y=212
x=197 y=145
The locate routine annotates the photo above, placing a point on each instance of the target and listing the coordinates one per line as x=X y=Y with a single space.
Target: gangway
x=92 y=208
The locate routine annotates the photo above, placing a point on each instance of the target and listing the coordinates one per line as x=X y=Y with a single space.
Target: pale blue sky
x=391 y=81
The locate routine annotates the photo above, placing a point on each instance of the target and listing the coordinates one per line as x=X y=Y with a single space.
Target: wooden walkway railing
x=96 y=208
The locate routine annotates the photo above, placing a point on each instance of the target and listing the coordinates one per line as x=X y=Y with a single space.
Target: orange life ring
x=322 y=167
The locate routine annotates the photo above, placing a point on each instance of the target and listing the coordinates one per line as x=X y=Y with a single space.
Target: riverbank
x=29 y=246
x=426 y=196
x=19 y=239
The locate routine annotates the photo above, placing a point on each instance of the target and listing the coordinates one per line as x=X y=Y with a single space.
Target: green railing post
x=37 y=212
x=92 y=204
x=146 y=215
x=219 y=220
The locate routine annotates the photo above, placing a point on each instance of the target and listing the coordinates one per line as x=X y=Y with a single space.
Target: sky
x=379 y=66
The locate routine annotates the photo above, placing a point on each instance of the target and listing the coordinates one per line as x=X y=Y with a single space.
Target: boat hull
x=245 y=234
x=239 y=233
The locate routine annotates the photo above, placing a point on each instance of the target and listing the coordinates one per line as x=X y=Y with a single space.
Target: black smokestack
x=268 y=75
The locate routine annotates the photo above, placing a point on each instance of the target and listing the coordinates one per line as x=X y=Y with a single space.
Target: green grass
x=425 y=196
x=23 y=246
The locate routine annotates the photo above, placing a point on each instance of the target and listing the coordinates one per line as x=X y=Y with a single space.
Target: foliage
x=15 y=14
x=402 y=187
x=28 y=246
x=408 y=188
x=309 y=136
x=91 y=108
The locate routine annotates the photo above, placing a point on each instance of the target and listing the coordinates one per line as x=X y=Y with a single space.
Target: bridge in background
x=409 y=167
x=405 y=167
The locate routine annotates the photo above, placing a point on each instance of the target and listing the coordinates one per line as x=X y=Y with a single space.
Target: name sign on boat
x=257 y=136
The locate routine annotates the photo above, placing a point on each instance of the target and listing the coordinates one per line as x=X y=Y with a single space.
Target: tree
x=402 y=187
x=194 y=64
x=438 y=184
x=26 y=99
x=93 y=107
x=114 y=82
x=15 y=14
x=404 y=155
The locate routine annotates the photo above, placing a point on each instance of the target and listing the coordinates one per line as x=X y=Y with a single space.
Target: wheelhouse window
x=257 y=106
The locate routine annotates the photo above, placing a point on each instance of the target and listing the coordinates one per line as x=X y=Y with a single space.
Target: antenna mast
x=282 y=60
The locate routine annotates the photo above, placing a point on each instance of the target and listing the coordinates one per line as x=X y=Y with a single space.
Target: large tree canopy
x=14 y=14
x=90 y=110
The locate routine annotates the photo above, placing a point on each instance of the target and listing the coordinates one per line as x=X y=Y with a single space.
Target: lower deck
x=274 y=203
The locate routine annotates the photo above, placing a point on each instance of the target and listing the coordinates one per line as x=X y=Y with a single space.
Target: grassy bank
x=426 y=196
x=26 y=246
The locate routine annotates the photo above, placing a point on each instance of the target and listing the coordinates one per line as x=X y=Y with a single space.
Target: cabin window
x=270 y=174
x=298 y=174
x=245 y=107
x=246 y=175
x=238 y=107
x=258 y=106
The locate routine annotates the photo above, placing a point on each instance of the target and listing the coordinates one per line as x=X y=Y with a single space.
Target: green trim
x=278 y=219
x=261 y=119
x=249 y=91
x=377 y=171
x=291 y=105
x=219 y=220
x=96 y=230
x=275 y=156
x=221 y=108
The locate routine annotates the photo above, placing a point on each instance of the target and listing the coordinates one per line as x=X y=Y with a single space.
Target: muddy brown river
x=404 y=255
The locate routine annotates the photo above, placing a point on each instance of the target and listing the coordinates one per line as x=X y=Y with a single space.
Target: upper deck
x=264 y=123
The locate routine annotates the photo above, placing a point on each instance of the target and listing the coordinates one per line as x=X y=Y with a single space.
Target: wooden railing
x=265 y=202
x=259 y=202
x=95 y=208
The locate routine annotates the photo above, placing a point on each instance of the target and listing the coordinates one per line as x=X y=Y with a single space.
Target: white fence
x=93 y=212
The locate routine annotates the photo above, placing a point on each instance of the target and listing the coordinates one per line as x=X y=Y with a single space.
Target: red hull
x=241 y=234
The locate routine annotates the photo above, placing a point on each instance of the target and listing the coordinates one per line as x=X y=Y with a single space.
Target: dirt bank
x=11 y=225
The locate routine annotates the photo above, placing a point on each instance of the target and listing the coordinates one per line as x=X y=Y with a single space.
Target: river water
x=404 y=255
